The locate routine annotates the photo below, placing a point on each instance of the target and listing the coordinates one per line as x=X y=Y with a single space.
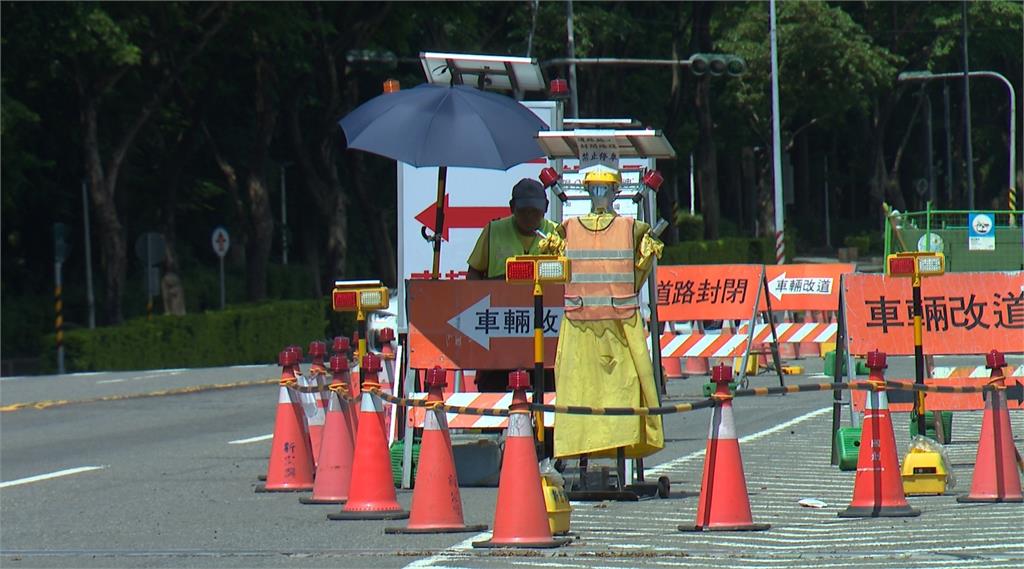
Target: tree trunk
x=706 y=159
x=261 y=232
x=385 y=263
x=749 y=191
x=108 y=224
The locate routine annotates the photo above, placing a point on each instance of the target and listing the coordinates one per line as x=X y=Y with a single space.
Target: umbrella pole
x=442 y=174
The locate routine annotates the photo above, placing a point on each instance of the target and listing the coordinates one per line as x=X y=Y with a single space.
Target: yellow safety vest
x=504 y=243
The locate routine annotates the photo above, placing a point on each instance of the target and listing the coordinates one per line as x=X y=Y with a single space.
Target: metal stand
x=585 y=489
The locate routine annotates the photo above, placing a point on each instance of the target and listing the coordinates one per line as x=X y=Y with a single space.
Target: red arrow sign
x=461 y=217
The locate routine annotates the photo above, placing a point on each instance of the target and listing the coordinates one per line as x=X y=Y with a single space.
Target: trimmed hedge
x=246 y=334
x=720 y=251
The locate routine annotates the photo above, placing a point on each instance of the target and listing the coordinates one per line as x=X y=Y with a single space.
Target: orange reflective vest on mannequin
x=601 y=286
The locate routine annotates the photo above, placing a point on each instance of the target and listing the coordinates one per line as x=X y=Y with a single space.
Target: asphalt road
x=173 y=477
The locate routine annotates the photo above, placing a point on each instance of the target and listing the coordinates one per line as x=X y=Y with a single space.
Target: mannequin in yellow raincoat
x=602 y=358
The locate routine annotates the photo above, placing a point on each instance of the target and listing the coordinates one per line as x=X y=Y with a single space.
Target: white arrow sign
x=221 y=241
x=482 y=322
x=780 y=286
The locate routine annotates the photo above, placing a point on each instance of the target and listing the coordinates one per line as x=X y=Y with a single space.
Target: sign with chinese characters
x=478 y=324
x=964 y=313
x=805 y=287
x=598 y=151
x=707 y=292
x=981 y=232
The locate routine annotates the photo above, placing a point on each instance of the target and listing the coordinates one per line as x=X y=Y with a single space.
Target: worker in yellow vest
x=504 y=238
x=512 y=235
x=602 y=358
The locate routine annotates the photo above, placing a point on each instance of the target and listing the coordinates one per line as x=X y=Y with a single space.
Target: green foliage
x=691 y=227
x=861 y=241
x=719 y=252
x=248 y=334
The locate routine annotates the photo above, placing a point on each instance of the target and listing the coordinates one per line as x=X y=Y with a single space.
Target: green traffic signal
x=716 y=64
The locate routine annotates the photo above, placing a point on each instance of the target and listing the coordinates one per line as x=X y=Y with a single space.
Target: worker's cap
x=529 y=193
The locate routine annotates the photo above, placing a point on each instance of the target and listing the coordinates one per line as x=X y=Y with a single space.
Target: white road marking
x=252 y=440
x=109 y=381
x=41 y=477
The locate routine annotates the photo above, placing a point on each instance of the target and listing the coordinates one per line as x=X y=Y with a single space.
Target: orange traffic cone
x=807 y=348
x=371 y=495
x=317 y=379
x=996 y=478
x=520 y=517
x=724 y=504
x=312 y=414
x=671 y=366
x=291 y=459
x=334 y=472
x=878 y=488
x=436 y=502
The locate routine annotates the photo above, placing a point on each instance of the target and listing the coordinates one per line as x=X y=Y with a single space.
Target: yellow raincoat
x=606 y=363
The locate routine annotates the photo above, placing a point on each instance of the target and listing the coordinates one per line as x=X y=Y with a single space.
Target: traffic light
x=716 y=64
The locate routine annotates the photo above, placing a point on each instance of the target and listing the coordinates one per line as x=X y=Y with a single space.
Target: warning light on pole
x=531 y=269
x=549 y=179
x=359 y=297
x=916 y=264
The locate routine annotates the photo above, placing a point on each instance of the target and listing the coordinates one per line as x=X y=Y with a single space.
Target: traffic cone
x=342 y=347
x=878 y=488
x=520 y=517
x=806 y=348
x=996 y=478
x=291 y=459
x=312 y=413
x=724 y=504
x=317 y=378
x=386 y=347
x=334 y=471
x=371 y=495
x=436 y=502
x=693 y=366
x=671 y=366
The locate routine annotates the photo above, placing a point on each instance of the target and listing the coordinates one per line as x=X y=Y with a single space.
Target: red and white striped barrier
x=727 y=345
x=480 y=401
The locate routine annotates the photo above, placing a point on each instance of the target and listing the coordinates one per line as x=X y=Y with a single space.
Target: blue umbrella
x=431 y=125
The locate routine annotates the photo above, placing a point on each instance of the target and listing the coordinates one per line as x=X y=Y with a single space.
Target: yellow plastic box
x=559 y=509
x=923 y=473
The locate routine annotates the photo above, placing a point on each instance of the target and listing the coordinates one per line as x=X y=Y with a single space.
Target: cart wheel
x=664 y=486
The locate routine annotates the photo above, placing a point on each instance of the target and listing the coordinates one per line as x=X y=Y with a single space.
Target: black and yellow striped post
x=59 y=254
x=917 y=265
x=537 y=270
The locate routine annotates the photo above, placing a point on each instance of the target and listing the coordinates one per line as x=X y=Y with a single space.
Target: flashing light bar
x=528 y=269
x=916 y=264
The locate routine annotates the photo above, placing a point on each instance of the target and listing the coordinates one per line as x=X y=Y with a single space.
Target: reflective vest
x=601 y=286
x=504 y=243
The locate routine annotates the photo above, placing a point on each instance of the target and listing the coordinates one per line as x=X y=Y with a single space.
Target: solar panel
x=488 y=72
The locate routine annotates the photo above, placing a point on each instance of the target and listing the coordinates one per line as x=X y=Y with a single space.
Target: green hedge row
x=720 y=251
x=245 y=334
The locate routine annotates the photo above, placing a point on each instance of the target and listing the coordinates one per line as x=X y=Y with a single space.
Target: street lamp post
x=929 y=76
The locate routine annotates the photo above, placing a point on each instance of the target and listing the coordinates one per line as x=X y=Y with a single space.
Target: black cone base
x=491 y=544
x=382 y=515
x=744 y=527
x=879 y=512
x=458 y=529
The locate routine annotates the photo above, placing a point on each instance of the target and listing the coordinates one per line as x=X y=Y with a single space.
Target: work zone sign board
x=805 y=286
x=962 y=313
x=902 y=401
x=707 y=292
x=474 y=197
x=479 y=324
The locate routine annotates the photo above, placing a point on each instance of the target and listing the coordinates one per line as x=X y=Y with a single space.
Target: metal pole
x=780 y=244
x=949 y=148
x=221 y=282
x=284 y=217
x=88 y=260
x=58 y=306
x=145 y=275
x=692 y=192
x=967 y=114
x=574 y=106
x=928 y=145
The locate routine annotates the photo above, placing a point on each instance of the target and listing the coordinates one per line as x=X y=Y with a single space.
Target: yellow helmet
x=602 y=177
